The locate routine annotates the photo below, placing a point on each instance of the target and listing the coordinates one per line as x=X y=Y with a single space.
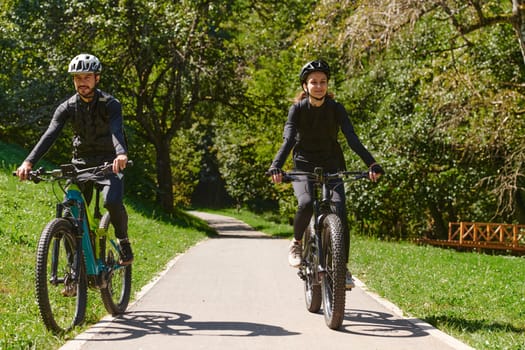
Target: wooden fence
x=483 y=236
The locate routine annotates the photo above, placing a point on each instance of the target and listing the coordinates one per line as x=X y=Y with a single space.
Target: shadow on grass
x=472 y=325
x=266 y=225
x=279 y=234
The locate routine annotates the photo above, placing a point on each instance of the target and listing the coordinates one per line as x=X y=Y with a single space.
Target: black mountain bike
x=323 y=266
x=76 y=250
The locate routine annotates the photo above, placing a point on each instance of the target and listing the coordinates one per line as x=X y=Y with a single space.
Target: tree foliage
x=433 y=88
x=445 y=82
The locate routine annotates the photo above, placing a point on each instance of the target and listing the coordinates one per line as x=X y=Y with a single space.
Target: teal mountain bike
x=78 y=249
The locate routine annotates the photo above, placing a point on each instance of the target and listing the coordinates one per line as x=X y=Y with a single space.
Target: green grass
x=477 y=298
x=25 y=208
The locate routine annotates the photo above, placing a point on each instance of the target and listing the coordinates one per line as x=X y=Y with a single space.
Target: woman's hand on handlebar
x=374 y=172
x=276 y=174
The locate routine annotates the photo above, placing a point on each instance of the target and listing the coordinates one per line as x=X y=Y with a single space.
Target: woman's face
x=316 y=84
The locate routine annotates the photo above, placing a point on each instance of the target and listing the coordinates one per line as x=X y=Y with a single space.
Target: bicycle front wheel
x=61 y=291
x=333 y=282
x=116 y=293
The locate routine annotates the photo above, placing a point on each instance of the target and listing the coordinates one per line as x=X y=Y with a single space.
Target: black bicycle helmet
x=314 y=66
x=85 y=63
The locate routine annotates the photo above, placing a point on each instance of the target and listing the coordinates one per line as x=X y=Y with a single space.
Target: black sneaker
x=126 y=254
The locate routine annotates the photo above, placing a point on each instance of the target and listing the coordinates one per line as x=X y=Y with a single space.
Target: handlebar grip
x=32 y=176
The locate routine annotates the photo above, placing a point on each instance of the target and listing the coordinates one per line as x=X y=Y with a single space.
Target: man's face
x=85 y=84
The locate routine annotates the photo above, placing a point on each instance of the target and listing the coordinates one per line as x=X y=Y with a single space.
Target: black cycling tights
x=303 y=192
x=113 y=193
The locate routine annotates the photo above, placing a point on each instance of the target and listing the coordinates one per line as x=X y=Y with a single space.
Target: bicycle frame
x=73 y=252
x=88 y=232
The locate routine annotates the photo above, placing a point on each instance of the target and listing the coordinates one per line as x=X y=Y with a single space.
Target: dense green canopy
x=434 y=89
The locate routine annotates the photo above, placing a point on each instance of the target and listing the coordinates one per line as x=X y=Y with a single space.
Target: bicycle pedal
x=69 y=291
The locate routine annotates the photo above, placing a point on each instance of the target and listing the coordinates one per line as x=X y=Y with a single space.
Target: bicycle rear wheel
x=312 y=288
x=61 y=292
x=333 y=282
x=115 y=295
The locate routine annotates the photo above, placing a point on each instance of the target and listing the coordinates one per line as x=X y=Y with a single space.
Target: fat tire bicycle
x=76 y=250
x=323 y=267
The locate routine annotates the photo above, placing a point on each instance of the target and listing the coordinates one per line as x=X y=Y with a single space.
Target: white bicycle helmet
x=85 y=63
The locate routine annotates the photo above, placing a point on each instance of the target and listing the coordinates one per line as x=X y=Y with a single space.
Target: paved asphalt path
x=237 y=291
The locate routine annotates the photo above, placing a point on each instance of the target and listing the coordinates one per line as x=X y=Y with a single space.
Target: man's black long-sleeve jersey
x=97 y=126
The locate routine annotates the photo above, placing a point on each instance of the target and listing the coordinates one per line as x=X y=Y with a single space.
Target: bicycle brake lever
x=34 y=177
x=363 y=175
x=56 y=173
x=286 y=178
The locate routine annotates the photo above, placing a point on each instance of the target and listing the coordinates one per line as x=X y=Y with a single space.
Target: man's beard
x=90 y=94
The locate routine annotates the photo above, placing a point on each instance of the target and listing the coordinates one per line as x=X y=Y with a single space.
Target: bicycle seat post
x=97 y=213
x=319 y=173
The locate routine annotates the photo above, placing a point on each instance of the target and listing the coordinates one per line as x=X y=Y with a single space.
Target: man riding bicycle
x=311 y=130
x=96 y=118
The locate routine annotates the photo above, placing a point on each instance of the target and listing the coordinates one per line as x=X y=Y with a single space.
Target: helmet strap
x=315 y=98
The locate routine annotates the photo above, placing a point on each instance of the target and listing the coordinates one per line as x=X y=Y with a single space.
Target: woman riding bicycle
x=96 y=118
x=311 y=130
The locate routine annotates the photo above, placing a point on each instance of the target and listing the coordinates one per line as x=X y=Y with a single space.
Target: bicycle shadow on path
x=380 y=324
x=138 y=324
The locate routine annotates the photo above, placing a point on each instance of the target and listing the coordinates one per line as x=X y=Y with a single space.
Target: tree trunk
x=440 y=228
x=519 y=206
x=164 y=177
x=518 y=11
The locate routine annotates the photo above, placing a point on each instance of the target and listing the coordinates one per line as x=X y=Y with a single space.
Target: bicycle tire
x=333 y=283
x=312 y=289
x=62 y=304
x=115 y=295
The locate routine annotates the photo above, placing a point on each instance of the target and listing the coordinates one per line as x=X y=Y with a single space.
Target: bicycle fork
x=70 y=279
x=316 y=265
x=319 y=253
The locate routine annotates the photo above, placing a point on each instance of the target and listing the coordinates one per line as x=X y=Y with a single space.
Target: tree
x=174 y=59
x=162 y=59
x=435 y=87
x=30 y=85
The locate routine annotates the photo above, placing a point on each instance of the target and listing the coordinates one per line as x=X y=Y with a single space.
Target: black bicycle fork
x=315 y=244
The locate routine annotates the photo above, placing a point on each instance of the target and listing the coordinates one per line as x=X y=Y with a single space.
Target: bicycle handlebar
x=71 y=171
x=321 y=177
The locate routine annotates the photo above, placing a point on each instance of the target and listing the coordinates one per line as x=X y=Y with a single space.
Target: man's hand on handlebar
x=119 y=163
x=23 y=170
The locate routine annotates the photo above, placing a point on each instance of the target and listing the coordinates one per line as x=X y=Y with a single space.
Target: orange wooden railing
x=483 y=236
x=512 y=235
